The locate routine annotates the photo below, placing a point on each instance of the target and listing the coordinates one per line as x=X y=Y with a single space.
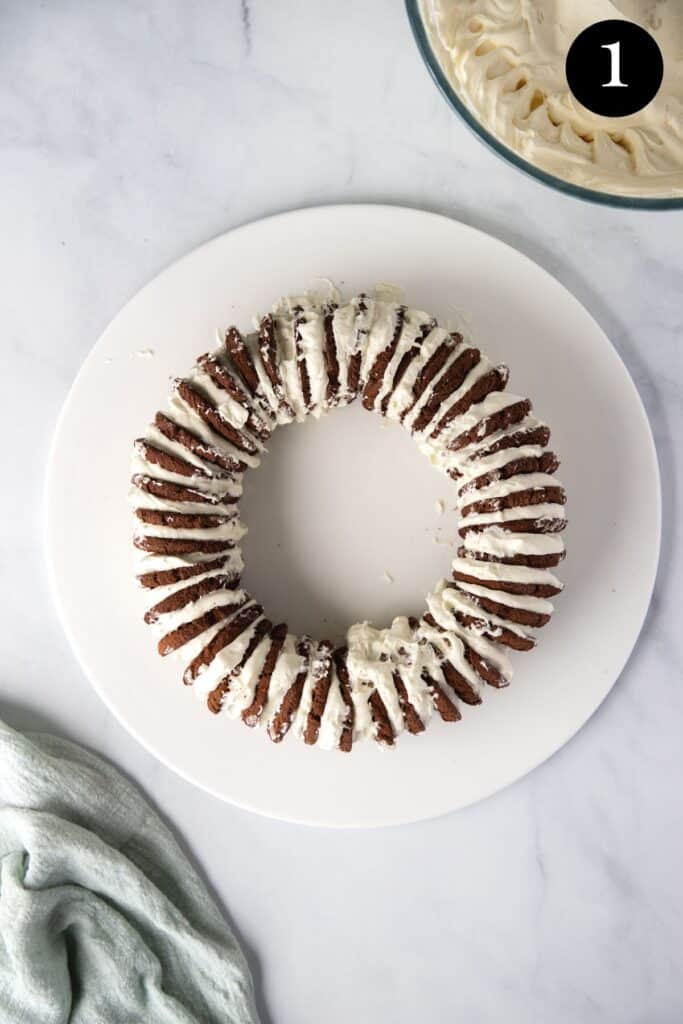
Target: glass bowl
x=592 y=195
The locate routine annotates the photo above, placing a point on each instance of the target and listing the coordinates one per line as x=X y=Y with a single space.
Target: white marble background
x=134 y=130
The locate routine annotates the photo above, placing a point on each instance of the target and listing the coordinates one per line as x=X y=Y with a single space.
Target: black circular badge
x=615 y=68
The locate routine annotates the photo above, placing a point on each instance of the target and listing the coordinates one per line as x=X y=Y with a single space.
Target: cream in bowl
x=505 y=59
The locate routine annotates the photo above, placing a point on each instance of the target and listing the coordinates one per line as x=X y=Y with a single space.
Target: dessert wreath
x=310 y=355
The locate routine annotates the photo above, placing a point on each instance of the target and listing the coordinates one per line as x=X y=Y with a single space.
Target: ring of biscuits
x=309 y=356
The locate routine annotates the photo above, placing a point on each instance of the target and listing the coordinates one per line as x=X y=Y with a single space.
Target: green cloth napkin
x=102 y=918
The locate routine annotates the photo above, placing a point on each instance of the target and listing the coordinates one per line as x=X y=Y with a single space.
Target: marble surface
x=131 y=132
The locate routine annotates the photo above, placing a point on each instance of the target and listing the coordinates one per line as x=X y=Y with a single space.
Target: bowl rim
x=417 y=24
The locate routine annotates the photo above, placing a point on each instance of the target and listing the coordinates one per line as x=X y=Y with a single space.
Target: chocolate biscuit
x=181 y=545
x=488 y=425
x=174 y=432
x=302 y=365
x=551 y=495
x=346 y=738
x=520 y=616
x=547 y=462
x=270 y=360
x=497 y=634
x=245 y=617
x=384 y=733
x=321 y=671
x=194 y=627
x=224 y=379
x=241 y=358
x=486 y=670
x=181 y=520
x=163 y=577
x=442 y=702
x=188 y=595
x=495 y=380
x=171 y=463
x=508 y=586
x=252 y=715
x=178 y=492
x=208 y=412
x=544 y=524
x=330 y=353
x=455 y=679
x=404 y=363
x=532 y=561
x=433 y=365
x=214 y=701
x=448 y=383
x=413 y=722
x=282 y=721
x=375 y=376
x=539 y=436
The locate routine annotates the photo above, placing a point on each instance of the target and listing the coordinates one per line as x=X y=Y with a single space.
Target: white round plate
x=341 y=502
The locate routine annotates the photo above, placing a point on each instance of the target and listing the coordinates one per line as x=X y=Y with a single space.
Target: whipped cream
x=506 y=59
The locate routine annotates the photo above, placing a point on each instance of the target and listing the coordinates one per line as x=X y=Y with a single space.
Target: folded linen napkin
x=102 y=918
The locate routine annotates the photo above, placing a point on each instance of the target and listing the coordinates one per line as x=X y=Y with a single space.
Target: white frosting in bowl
x=506 y=61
